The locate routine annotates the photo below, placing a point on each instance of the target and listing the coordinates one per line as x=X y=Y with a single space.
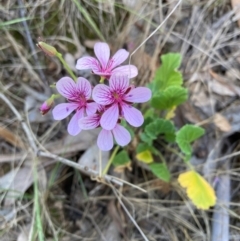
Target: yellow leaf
x=145 y=156
x=198 y=189
x=171 y=113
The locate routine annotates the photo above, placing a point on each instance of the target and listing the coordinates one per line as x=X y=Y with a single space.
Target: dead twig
x=90 y=172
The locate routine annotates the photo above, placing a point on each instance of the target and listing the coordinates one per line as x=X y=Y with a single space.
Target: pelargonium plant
x=105 y=106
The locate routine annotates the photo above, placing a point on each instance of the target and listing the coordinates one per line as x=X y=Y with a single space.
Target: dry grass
x=54 y=201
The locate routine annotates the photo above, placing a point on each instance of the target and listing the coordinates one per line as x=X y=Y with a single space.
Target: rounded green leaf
x=121 y=159
x=161 y=171
x=186 y=135
x=167 y=99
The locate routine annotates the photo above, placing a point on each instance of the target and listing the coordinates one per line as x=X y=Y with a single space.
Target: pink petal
x=66 y=87
x=119 y=57
x=138 y=95
x=102 y=94
x=91 y=108
x=102 y=52
x=89 y=122
x=133 y=116
x=105 y=140
x=129 y=70
x=63 y=110
x=110 y=117
x=119 y=83
x=73 y=127
x=88 y=63
x=84 y=87
x=121 y=135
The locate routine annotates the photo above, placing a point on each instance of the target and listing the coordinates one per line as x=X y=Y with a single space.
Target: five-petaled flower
x=78 y=95
x=105 y=137
x=118 y=98
x=106 y=66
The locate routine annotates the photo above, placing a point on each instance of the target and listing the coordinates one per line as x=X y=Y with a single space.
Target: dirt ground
x=46 y=189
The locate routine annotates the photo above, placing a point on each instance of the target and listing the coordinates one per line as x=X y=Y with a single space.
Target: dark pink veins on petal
x=79 y=99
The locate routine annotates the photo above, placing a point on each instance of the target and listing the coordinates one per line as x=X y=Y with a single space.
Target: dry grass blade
x=11 y=137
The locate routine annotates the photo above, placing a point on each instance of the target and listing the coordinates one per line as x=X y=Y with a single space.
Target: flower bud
x=47 y=49
x=47 y=105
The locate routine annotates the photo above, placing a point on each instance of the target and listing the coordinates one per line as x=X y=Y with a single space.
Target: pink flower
x=105 y=137
x=47 y=105
x=78 y=95
x=118 y=97
x=104 y=66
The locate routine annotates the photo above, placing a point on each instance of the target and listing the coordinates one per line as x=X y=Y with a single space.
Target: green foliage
x=144 y=147
x=185 y=136
x=167 y=75
x=160 y=126
x=170 y=97
x=161 y=171
x=121 y=159
x=168 y=93
x=167 y=85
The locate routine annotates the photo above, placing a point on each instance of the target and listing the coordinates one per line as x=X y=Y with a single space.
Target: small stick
x=129 y=215
x=21 y=120
x=80 y=167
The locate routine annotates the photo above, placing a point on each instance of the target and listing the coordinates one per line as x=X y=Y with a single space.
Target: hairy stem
x=66 y=66
x=110 y=161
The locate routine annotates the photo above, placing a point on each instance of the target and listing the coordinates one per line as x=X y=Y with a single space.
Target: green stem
x=110 y=161
x=101 y=80
x=37 y=207
x=66 y=66
x=173 y=151
x=161 y=157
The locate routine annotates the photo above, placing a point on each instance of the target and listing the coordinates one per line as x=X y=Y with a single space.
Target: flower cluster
x=104 y=106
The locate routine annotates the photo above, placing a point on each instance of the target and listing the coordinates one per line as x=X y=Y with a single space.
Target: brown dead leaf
x=222 y=86
x=222 y=123
x=121 y=169
x=236 y=8
x=11 y=137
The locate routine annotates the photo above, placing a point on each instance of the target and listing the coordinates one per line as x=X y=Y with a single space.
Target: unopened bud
x=47 y=49
x=47 y=105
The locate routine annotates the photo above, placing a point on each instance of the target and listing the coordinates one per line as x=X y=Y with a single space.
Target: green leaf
x=147 y=121
x=121 y=159
x=161 y=171
x=149 y=113
x=161 y=126
x=145 y=138
x=167 y=75
x=172 y=96
x=186 y=135
x=144 y=147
